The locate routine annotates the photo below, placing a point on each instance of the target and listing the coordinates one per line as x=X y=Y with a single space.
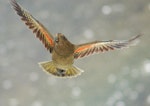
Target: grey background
x=117 y=78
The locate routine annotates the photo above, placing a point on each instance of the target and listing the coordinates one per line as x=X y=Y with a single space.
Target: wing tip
x=135 y=40
x=16 y=7
x=13 y=3
x=136 y=37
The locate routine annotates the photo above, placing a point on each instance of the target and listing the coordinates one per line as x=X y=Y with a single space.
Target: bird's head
x=62 y=45
x=60 y=38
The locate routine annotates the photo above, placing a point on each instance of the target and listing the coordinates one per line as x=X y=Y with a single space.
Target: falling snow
x=76 y=91
x=13 y=102
x=106 y=9
x=147 y=66
x=148 y=100
x=37 y=103
x=88 y=33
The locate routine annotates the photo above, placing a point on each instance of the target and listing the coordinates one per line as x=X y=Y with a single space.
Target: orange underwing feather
x=82 y=48
x=37 y=28
x=102 y=46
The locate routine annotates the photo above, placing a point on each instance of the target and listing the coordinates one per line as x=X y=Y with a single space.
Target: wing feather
x=102 y=46
x=33 y=24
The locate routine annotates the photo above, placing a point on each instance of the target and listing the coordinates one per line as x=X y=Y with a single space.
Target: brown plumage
x=62 y=50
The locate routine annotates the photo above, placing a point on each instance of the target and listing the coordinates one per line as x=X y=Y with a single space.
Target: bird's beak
x=56 y=38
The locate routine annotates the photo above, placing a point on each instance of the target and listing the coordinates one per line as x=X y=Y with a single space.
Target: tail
x=68 y=72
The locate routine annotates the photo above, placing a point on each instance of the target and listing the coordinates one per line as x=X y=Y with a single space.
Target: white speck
x=149 y=6
x=148 y=100
x=88 y=33
x=147 y=66
x=115 y=97
x=106 y=9
x=76 y=91
x=13 y=102
x=7 y=84
x=120 y=103
x=34 y=76
x=37 y=103
x=112 y=78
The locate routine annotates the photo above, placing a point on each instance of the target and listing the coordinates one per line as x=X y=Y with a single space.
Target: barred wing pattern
x=37 y=28
x=102 y=46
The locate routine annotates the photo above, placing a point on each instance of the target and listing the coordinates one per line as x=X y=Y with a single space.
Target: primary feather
x=101 y=46
x=37 y=28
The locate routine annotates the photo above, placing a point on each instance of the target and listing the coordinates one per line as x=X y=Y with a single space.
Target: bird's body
x=63 y=51
x=62 y=58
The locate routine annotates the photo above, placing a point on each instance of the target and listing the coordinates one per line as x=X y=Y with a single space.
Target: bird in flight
x=62 y=50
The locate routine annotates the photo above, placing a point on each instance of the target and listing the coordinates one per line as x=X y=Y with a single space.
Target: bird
x=64 y=52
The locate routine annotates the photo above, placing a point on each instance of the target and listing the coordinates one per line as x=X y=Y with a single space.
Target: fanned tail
x=51 y=68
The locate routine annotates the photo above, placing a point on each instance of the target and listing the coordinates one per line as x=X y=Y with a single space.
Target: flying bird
x=62 y=50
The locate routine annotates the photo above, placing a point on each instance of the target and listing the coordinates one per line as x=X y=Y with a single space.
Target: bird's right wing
x=101 y=46
x=37 y=28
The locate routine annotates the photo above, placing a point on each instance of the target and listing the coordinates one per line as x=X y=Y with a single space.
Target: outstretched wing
x=37 y=28
x=101 y=46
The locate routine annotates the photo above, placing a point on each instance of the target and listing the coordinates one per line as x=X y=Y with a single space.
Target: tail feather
x=51 y=67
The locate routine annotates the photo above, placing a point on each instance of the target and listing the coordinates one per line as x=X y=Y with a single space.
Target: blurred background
x=116 y=78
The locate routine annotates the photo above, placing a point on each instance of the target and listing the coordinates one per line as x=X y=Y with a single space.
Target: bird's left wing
x=37 y=28
x=101 y=46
